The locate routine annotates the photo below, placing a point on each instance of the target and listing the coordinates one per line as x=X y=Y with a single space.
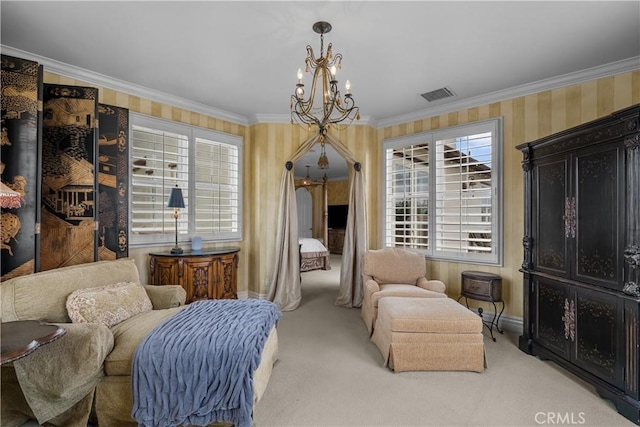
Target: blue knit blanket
x=197 y=366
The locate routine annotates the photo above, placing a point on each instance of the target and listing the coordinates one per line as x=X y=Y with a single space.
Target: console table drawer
x=481 y=286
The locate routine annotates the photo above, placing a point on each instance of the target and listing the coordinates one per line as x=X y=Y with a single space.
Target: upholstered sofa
x=86 y=374
x=394 y=272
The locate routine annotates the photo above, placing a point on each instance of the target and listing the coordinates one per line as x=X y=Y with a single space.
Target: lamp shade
x=175 y=198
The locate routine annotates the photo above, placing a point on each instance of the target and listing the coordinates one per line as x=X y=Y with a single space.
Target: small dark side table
x=482 y=286
x=23 y=337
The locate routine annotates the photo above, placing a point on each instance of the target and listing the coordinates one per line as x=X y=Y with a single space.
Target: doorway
x=304 y=206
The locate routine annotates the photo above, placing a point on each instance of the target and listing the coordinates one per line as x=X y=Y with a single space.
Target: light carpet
x=330 y=374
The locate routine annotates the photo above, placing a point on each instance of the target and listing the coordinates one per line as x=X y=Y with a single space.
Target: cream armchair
x=394 y=272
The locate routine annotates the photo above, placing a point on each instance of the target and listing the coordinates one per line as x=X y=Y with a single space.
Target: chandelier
x=306 y=182
x=325 y=105
x=323 y=161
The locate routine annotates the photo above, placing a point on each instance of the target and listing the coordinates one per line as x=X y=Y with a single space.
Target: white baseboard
x=506 y=323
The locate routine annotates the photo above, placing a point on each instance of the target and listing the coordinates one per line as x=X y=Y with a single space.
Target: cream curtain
x=284 y=277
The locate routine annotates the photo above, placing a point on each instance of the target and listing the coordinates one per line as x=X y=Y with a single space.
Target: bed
x=313 y=255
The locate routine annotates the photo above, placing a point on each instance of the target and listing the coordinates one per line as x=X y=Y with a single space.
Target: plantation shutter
x=407 y=207
x=217 y=184
x=160 y=160
x=463 y=194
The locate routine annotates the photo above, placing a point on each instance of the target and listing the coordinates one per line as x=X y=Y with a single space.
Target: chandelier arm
x=337 y=61
x=347 y=105
x=303 y=108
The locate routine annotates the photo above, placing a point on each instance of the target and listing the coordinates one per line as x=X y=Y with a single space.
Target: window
x=206 y=165
x=443 y=192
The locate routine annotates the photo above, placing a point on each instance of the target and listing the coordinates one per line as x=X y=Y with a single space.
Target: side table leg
x=499 y=316
x=489 y=325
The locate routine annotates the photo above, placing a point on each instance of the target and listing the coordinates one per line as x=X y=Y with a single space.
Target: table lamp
x=176 y=201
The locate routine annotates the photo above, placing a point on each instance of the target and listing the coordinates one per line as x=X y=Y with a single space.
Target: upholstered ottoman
x=428 y=334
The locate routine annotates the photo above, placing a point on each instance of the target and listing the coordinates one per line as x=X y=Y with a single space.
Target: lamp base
x=176 y=250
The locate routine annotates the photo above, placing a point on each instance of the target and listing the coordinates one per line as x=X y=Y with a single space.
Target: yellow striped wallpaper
x=338 y=193
x=525 y=119
x=156 y=109
x=268 y=146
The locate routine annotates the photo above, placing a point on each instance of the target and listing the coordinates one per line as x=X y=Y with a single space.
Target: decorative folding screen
x=20 y=165
x=69 y=152
x=113 y=182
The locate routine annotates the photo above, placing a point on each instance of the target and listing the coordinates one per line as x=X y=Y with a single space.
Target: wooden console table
x=23 y=337
x=210 y=274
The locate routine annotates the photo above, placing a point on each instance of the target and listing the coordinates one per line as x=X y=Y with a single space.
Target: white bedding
x=311 y=245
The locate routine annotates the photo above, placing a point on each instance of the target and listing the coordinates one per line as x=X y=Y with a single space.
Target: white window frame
x=186 y=229
x=495 y=257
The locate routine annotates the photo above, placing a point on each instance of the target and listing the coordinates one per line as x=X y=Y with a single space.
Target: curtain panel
x=284 y=278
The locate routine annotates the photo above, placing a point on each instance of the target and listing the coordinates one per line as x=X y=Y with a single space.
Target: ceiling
x=241 y=57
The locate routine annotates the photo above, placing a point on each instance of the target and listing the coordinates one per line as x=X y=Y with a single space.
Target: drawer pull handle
x=569 y=320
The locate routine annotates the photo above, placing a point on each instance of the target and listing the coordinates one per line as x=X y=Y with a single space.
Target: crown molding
x=91 y=77
x=286 y=118
x=269 y=118
x=619 y=67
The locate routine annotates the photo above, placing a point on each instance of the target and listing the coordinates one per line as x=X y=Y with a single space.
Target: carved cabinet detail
x=203 y=275
x=581 y=265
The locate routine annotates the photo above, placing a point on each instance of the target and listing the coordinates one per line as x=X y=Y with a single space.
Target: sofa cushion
x=128 y=334
x=43 y=296
x=108 y=305
x=439 y=316
x=399 y=290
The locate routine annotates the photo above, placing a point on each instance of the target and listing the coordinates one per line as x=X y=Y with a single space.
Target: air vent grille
x=437 y=94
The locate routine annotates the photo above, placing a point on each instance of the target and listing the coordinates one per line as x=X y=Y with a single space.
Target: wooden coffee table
x=23 y=337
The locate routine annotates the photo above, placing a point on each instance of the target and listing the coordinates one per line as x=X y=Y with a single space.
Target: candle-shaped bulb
x=347 y=86
x=299 y=75
x=333 y=70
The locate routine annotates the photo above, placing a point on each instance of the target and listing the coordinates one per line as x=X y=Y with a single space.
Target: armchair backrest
x=393 y=265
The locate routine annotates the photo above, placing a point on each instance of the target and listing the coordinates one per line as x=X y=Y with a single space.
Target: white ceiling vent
x=437 y=94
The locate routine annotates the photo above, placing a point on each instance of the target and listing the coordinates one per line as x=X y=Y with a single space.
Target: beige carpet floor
x=331 y=374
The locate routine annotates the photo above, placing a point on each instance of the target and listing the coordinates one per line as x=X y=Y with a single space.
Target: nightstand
x=482 y=286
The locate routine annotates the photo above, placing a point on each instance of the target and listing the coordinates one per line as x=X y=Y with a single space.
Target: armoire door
x=552 y=308
x=551 y=216
x=599 y=194
x=598 y=346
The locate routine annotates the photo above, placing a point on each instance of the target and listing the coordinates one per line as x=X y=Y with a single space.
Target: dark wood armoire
x=582 y=256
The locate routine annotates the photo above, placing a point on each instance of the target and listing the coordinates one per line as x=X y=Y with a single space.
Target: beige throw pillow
x=109 y=304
